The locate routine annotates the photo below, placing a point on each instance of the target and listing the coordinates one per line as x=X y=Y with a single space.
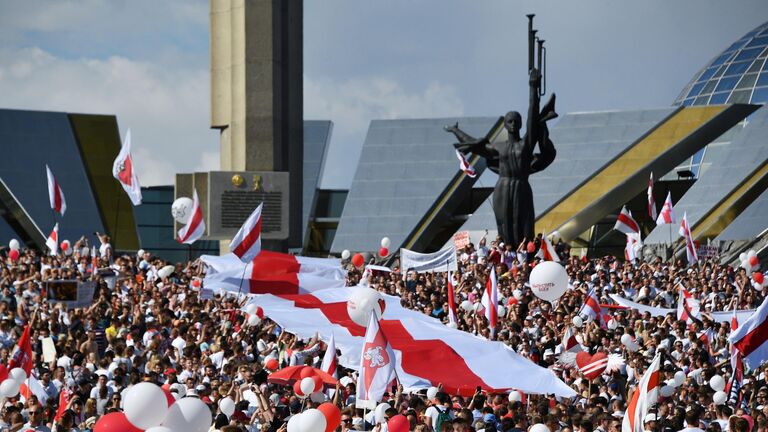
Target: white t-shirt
x=432 y=412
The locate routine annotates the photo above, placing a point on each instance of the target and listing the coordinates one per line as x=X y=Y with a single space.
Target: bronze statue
x=514 y=160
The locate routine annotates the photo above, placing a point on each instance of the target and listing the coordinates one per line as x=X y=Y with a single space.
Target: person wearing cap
x=650 y=422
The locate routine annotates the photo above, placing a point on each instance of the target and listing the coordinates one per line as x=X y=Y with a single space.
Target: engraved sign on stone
x=233 y=196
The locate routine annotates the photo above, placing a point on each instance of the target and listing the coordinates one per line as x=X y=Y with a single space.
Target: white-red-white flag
x=569 y=342
x=644 y=397
x=195 y=227
x=751 y=337
x=330 y=362
x=31 y=386
x=651 y=200
x=667 y=215
x=468 y=169
x=690 y=246
x=591 y=307
x=247 y=242
x=490 y=301
x=688 y=308
x=53 y=240
x=451 y=301
x=55 y=195
x=377 y=366
x=625 y=223
x=547 y=251
x=124 y=171
x=630 y=250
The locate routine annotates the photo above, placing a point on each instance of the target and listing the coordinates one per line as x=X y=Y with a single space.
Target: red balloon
x=196 y=283
x=168 y=396
x=3 y=372
x=531 y=247
x=383 y=252
x=332 y=416
x=115 y=422
x=259 y=312
x=297 y=389
x=306 y=372
x=753 y=261
x=318 y=382
x=398 y=423
x=358 y=260
x=13 y=254
x=758 y=277
x=65 y=245
x=271 y=364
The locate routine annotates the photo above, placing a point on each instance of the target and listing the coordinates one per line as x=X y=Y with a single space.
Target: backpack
x=442 y=416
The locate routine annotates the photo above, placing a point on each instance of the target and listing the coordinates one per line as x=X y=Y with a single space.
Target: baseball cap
x=649 y=418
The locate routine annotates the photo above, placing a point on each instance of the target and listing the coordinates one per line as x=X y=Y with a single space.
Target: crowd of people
x=143 y=327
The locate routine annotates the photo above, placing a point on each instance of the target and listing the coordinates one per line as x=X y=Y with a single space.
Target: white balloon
x=293 y=423
x=517 y=294
x=452 y=325
x=312 y=420
x=166 y=271
x=250 y=308
x=188 y=415
x=307 y=386
x=9 y=388
x=431 y=393
x=317 y=397
x=751 y=253
x=667 y=391
x=719 y=398
x=227 y=406
x=502 y=311
x=679 y=378
x=742 y=256
x=467 y=305
x=145 y=405
x=14 y=244
x=362 y=302
x=717 y=383
x=253 y=320
x=477 y=306
x=549 y=281
x=345 y=254
x=612 y=324
x=181 y=209
x=578 y=321
x=539 y=427
x=515 y=396
x=158 y=429
x=626 y=340
x=18 y=374
x=385 y=242
x=380 y=411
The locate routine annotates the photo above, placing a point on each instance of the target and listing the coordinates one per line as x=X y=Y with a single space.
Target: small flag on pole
x=55 y=195
x=468 y=169
x=195 y=227
x=651 y=199
x=247 y=242
x=53 y=240
x=123 y=170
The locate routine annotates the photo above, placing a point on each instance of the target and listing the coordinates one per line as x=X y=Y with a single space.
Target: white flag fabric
x=645 y=396
x=329 y=359
x=490 y=301
x=690 y=246
x=720 y=316
x=688 y=308
x=427 y=352
x=468 y=169
x=377 y=366
x=442 y=260
x=246 y=244
x=270 y=262
x=751 y=338
x=633 y=243
x=667 y=214
x=547 y=251
x=124 y=171
x=195 y=226
x=651 y=199
x=55 y=195
x=625 y=223
x=53 y=240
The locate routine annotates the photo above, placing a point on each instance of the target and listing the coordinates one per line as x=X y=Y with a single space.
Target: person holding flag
x=377 y=366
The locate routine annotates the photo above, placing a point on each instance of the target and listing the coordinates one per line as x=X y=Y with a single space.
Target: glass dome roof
x=737 y=75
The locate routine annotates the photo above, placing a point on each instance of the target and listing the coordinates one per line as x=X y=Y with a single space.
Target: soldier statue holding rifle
x=514 y=160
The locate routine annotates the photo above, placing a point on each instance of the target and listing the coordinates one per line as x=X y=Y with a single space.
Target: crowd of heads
x=144 y=327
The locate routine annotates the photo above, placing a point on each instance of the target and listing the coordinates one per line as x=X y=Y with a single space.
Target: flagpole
x=117 y=218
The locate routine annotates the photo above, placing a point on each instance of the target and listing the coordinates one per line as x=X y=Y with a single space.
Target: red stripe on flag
x=336 y=313
x=277 y=284
x=753 y=340
x=626 y=220
x=272 y=263
x=197 y=217
x=249 y=240
x=56 y=196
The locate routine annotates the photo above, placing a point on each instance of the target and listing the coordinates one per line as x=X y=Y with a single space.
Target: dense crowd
x=143 y=327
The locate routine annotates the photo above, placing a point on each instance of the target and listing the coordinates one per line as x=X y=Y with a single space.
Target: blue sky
x=147 y=62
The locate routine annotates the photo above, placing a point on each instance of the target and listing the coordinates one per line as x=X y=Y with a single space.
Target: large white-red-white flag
x=330 y=362
x=377 y=366
x=688 y=308
x=690 y=246
x=625 y=223
x=53 y=240
x=55 y=195
x=124 y=171
x=468 y=169
x=247 y=242
x=667 y=215
x=651 y=200
x=428 y=352
x=644 y=397
x=490 y=301
x=751 y=338
x=195 y=226
x=547 y=251
x=451 y=301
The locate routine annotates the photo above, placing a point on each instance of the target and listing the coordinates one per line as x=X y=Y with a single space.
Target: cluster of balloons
x=14 y=247
x=310 y=385
x=549 y=281
x=717 y=383
x=11 y=381
x=384 y=250
x=254 y=314
x=151 y=408
x=362 y=302
x=324 y=418
x=358 y=259
x=668 y=389
x=630 y=342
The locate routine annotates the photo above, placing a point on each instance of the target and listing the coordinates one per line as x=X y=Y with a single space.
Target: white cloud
x=167 y=109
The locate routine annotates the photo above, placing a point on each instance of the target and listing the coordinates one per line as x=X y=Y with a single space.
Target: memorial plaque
x=233 y=195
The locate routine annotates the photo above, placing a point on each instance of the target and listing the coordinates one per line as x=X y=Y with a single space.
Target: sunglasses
x=349 y=420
